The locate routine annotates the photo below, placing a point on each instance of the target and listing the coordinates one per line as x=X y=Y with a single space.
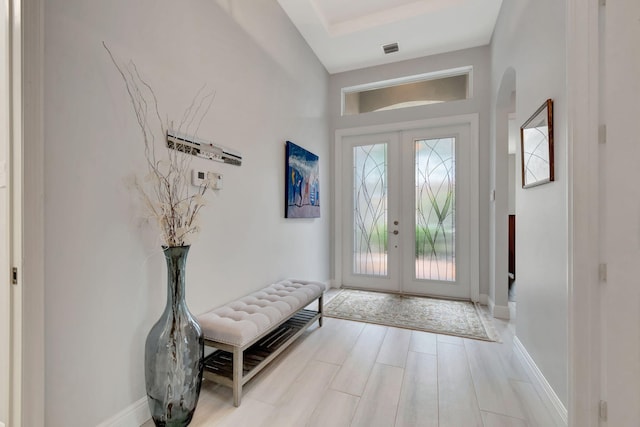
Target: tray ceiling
x=349 y=34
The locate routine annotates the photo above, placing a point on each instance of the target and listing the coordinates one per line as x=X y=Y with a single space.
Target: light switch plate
x=216 y=180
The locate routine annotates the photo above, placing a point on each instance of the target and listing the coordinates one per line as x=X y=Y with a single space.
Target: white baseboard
x=334 y=284
x=484 y=299
x=331 y=284
x=549 y=396
x=501 y=312
x=133 y=416
x=498 y=311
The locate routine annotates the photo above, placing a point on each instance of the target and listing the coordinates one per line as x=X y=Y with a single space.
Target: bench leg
x=320 y=309
x=237 y=376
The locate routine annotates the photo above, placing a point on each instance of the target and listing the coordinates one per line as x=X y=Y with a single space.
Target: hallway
x=355 y=374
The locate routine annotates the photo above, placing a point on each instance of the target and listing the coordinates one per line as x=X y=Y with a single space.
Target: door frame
x=11 y=295
x=472 y=121
x=5 y=217
x=27 y=400
x=583 y=115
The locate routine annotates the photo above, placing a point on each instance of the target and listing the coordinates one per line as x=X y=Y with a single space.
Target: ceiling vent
x=390 y=48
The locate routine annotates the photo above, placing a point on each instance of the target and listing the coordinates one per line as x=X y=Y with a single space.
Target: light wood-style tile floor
x=355 y=374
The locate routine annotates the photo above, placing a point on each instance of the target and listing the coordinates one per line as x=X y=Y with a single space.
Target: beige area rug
x=459 y=318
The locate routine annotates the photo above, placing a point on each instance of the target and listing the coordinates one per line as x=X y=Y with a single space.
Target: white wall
x=514 y=140
x=105 y=276
x=512 y=184
x=530 y=38
x=5 y=298
x=620 y=202
x=479 y=103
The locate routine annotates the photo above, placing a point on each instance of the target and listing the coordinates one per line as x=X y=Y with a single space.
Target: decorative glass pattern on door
x=435 y=209
x=370 y=210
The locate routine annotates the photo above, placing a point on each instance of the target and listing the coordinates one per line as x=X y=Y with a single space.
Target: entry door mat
x=458 y=318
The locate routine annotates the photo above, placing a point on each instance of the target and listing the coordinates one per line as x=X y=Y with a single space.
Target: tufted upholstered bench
x=250 y=332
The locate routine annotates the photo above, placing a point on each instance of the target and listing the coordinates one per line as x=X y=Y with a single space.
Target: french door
x=406 y=211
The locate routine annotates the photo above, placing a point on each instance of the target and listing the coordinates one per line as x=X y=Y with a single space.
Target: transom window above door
x=410 y=91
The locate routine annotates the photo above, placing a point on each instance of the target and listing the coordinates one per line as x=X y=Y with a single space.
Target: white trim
x=5 y=218
x=16 y=183
x=484 y=299
x=452 y=72
x=337 y=212
x=583 y=110
x=134 y=415
x=473 y=121
x=498 y=311
x=474 y=201
x=501 y=312
x=546 y=392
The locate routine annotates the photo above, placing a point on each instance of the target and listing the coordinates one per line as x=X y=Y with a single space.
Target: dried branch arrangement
x=165 y=190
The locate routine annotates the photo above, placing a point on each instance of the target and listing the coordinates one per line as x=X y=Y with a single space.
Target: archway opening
x=500 y=184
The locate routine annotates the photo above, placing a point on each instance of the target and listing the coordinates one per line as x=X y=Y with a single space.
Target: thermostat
x=199 y=178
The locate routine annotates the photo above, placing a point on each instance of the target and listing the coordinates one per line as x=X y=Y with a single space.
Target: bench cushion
x=240 y=322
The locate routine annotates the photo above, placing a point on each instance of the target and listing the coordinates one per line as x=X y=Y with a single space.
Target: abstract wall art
x=302 y=183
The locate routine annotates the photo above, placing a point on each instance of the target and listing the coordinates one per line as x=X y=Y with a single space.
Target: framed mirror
x=536 y=138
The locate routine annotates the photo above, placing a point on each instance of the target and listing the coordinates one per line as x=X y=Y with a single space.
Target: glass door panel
x=370 y=205
x=370 y=210
x=435 y=205
x=436 y=189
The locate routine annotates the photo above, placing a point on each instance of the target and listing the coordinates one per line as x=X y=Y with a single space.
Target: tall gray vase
x=174 y=351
